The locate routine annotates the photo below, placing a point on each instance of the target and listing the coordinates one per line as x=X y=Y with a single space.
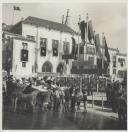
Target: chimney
x=67 y=18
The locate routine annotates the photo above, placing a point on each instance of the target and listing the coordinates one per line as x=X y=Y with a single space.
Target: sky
x=109 y=18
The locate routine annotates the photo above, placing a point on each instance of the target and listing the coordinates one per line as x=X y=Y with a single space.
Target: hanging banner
x=24 y=55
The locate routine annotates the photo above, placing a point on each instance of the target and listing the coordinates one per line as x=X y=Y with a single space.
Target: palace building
x=36 y=46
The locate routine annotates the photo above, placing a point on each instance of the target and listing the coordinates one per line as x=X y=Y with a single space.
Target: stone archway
x=47 y=67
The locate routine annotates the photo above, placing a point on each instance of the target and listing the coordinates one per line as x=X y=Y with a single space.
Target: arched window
x=47 y=67
x=61 y=68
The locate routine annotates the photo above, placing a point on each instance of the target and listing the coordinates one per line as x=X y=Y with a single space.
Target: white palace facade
x=36 y=46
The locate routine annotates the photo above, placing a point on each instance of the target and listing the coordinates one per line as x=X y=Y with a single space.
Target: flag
x=97 y=44
x=90 y=31
x=43 y=47
x=106 y=58
x=99 y=54
x=74 y=48
x=24 y=55
x=66 y=50
x=99 y=66
x=16 y=8
x=43 y=51
x=55 y=52
x=82 y=28
x=106 y=53
x=76 y=51
x=55 y=47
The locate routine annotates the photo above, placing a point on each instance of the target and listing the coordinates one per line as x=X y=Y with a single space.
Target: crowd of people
x=56 y=98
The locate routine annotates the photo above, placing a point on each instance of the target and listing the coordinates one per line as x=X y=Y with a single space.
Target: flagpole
x=36 y=53
x=102 y=52
x=102 y=66
x=12 y=16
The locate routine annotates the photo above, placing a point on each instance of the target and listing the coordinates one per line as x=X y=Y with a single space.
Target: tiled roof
x=48 y=24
